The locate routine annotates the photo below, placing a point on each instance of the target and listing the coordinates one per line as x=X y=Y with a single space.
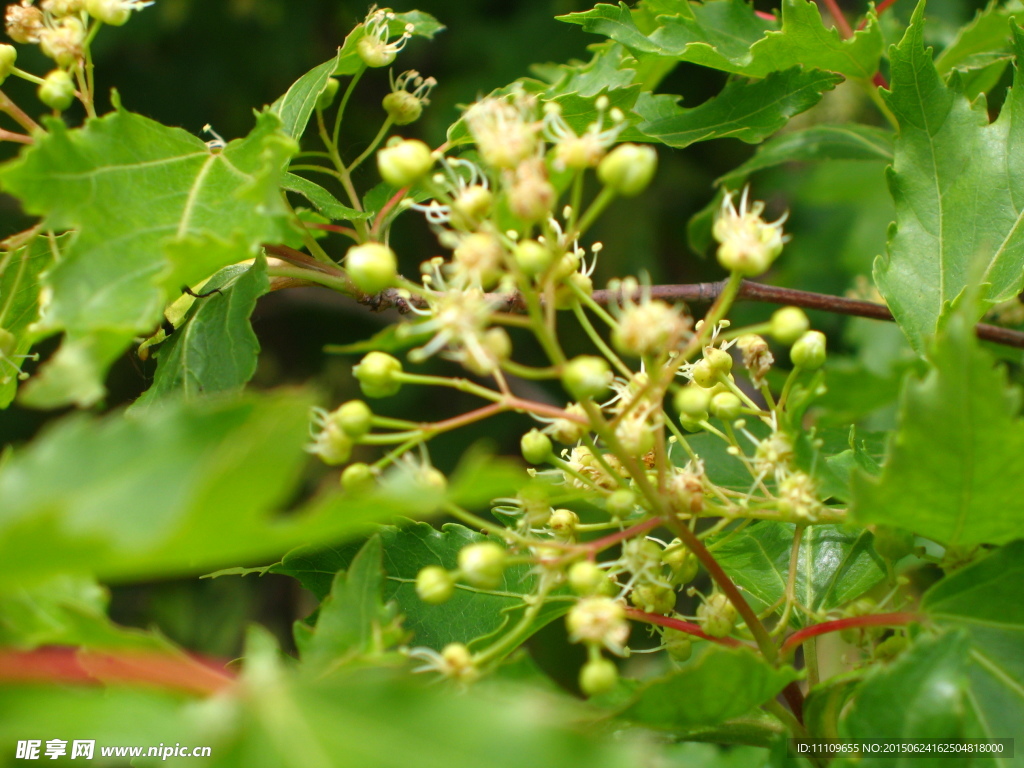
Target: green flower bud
x=587 y=377
x=599 y=675
x=354 y=418
x=564 y=522
x=893 y=543
x=693 y=402
x=8 y=56
x=809 y=351
x=483 y=564
x=586 y=579
x=434 y=585
x=404 y=161
x=681 y=562
x=57 y=90
x=891 y=647
x=329 y=93
x=678 y=644
x=471 y=207
x=112 y=12
x=789 y=324
x=716 y=615
x=536 y=446
x=331 y=444
x=372 y=267
x=357 y=478
x=377 y=375
x=726 y=406
x=532 y=257
x=621 y=503
x=402 y=107
x=375 y=52
x=628 y=169
x=653 y=598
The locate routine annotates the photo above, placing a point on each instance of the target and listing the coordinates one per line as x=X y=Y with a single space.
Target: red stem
x=347 y=231
x=765 y=16
x=874 y=620
x=375 y=229
x=60 y=665
x=837 y=16
x=603 y=543
x=683 y=626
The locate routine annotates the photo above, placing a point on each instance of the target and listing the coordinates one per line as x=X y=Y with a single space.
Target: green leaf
x=985 y=40
x=728 y=35
x=21 y=268
x=323 y=200
x=748 y=111
x=958 y=183
x=835 y=565
x=920 y=695
x=69 y=611
x=215 y=349
x=296 y=106
x=471 y=613
x=353 y=621
x=154 y=209
x=956 y=469
x=185 y=488
x=842 y=141
x=719 y=684
x=983 y=599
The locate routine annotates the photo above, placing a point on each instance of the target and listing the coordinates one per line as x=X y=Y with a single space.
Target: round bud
x=532 y=257
x=483 y=564
x=681 y=562
x=377 y=375
x=357 y=478
x=564 y=522
x=738 y=255
x=372 y=267
x=893 y=543
x=354 y=417
x=471 y=207
x=621 y=503
x=375 y=52
x=678 y=644
x=719 y=360
x=458 y=662
x=726 y=406
x=404 y=161
x=57 y=90
x=599 y=675
x=434 y=585
x=8 y=56
x=693 y=402
x=585 y=578
x=587 y=377
x=653 y=598
x=332 y=445
x=536 y=446
x=789 y=324
x=402 y=107
x=112 y=12
x=716 y=615
x=328 y=94
x=532 y=197
x=628 y=169
x=809 y=351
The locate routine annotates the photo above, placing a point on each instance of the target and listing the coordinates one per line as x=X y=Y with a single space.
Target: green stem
x=595 y=337
x=373 y=145
x=603 y=199
x=339 y=284
x=336 y=133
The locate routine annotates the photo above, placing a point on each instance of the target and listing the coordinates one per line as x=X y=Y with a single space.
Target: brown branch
x=693 y=293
